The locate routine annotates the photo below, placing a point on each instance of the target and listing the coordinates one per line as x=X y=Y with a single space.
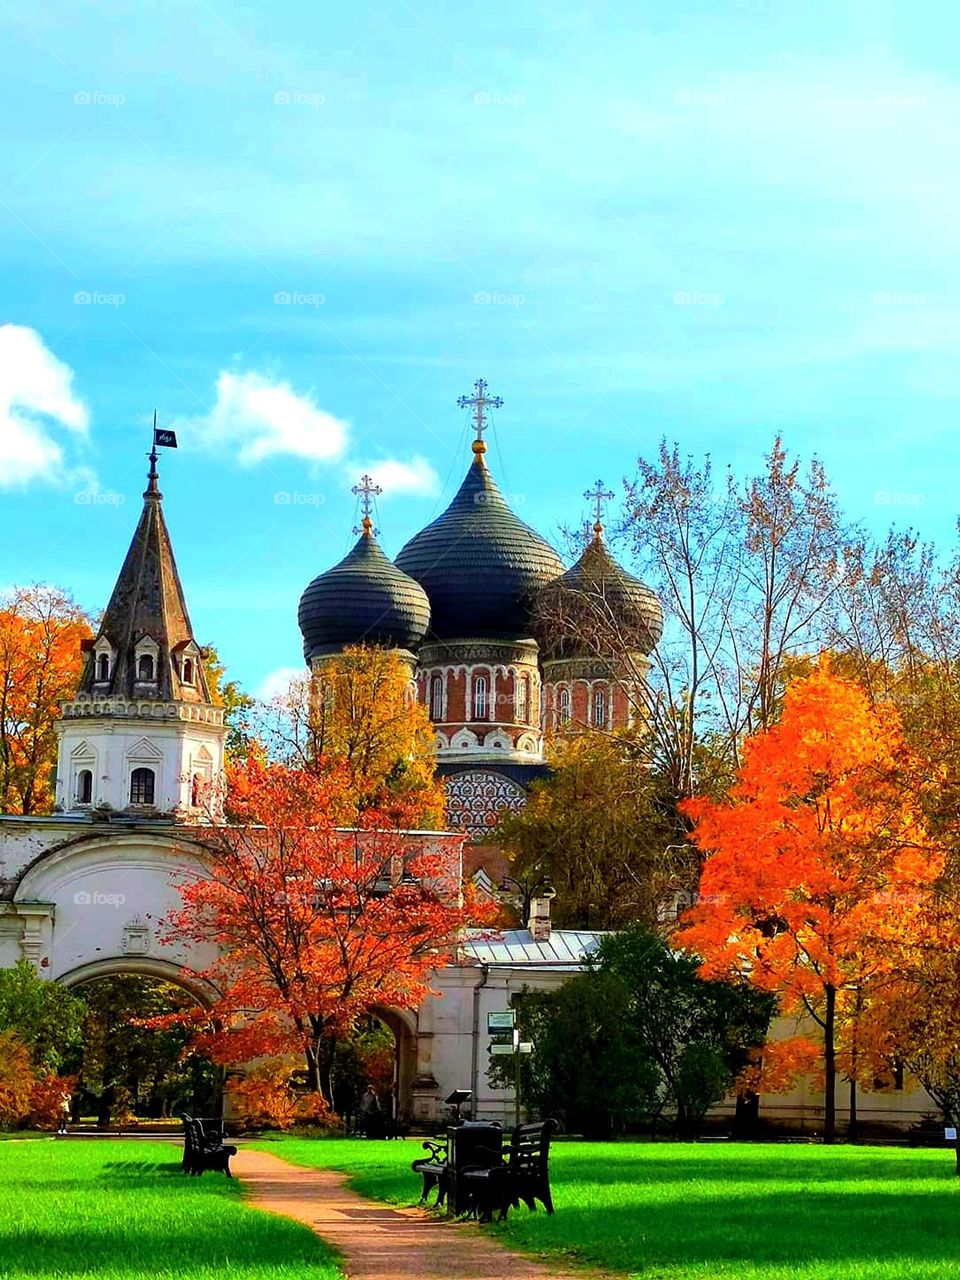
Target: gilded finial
x=599 y=496
x=366 y=491
x=479 y=402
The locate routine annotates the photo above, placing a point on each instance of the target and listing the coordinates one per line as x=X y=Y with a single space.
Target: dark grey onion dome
x=365 y=599
x=480 y=565
x=597 y=606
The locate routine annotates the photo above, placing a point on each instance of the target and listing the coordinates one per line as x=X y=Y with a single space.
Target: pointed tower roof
x=148 y=604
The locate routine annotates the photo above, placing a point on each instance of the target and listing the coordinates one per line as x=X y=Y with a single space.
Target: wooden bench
x=202 y=1152
x=524 y=1175
x=433 y=1168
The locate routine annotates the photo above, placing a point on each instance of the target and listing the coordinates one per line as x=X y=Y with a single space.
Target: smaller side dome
x=596 y=608
x=365 y=599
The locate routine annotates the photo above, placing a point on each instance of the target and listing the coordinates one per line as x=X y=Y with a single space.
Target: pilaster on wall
x=25 y=932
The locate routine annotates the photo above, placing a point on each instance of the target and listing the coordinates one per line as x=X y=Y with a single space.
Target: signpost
x=500 y=1021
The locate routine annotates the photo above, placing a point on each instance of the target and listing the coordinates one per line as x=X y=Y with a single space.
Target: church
x=462 y=604
x=83 y=891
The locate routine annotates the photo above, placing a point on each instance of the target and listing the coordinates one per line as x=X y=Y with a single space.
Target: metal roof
x=516 y=948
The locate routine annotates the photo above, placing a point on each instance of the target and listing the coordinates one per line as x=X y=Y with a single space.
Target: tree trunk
x=852 y=1127
x=830 y=1066
x=313 y=1069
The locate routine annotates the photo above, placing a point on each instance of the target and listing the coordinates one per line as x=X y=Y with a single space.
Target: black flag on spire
x=161 y=437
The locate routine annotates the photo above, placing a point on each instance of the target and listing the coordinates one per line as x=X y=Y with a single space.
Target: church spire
x=145 y=648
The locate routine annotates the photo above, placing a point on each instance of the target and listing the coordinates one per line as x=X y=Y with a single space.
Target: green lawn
x=666 y=1211
x=124 y=1211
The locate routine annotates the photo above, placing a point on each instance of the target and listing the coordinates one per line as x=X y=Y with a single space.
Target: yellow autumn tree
x=41 y=632
x=359 y=711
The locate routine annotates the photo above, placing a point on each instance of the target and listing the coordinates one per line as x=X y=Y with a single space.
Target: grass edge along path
x=378 y=1241
x=689 y=1211
x=123 y=1210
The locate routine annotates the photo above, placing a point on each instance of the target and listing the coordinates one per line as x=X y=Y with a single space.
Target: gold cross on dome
x=479 y=402
x=366 y=491
x=599 y=497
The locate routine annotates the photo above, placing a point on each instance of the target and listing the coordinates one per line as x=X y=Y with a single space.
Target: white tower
x=143 y=737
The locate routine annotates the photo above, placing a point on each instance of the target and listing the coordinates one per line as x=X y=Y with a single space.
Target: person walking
x=63 y=1113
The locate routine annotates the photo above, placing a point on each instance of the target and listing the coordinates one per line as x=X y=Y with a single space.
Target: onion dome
x=365 y=599
x=598 y=606
x=479 y=563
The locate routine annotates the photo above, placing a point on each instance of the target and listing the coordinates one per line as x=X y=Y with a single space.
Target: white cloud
x=416 y=476
x=36 y=400
x=278 y=682
x=257 y=418
x=261 y=418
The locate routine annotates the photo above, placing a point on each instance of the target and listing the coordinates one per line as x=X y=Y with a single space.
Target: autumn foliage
x=316 y=925
x=817 y=863
x=41 y=631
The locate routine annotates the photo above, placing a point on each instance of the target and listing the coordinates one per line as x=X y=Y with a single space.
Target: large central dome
x=479 y=564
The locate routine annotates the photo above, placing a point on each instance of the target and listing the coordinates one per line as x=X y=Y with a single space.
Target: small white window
x=480 y=698
x=85 y=786
x=563 y=706
x=599 y=708
x=436 y=698
x=103 y=667
x=522 y=699
x=142 y=786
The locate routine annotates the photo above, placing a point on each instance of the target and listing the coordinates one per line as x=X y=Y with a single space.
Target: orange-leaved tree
x=317 y=925
x=41 y=631
x=816 y=861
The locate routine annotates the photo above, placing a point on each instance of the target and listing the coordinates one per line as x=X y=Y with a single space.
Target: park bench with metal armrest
x=433 y=1169
x=202 y=1151
x=524 y=1175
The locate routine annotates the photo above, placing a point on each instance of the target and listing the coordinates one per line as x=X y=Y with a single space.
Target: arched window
x=436 y=698
x=103 y=667
x=599 y=708
x=522 y=700
x=142 y=784
x=145 y=667
x=563 y=706
x=85 y=786
x=480 y=698
x=188 y=671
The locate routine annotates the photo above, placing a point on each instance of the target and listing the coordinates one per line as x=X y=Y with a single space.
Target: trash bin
x=474 y=1144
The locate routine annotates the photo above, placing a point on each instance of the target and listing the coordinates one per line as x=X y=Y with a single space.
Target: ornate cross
x=599 y=496
x=479 y=402
x=366 y=491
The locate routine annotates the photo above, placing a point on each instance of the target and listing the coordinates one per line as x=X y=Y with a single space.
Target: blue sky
x=301 y=231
